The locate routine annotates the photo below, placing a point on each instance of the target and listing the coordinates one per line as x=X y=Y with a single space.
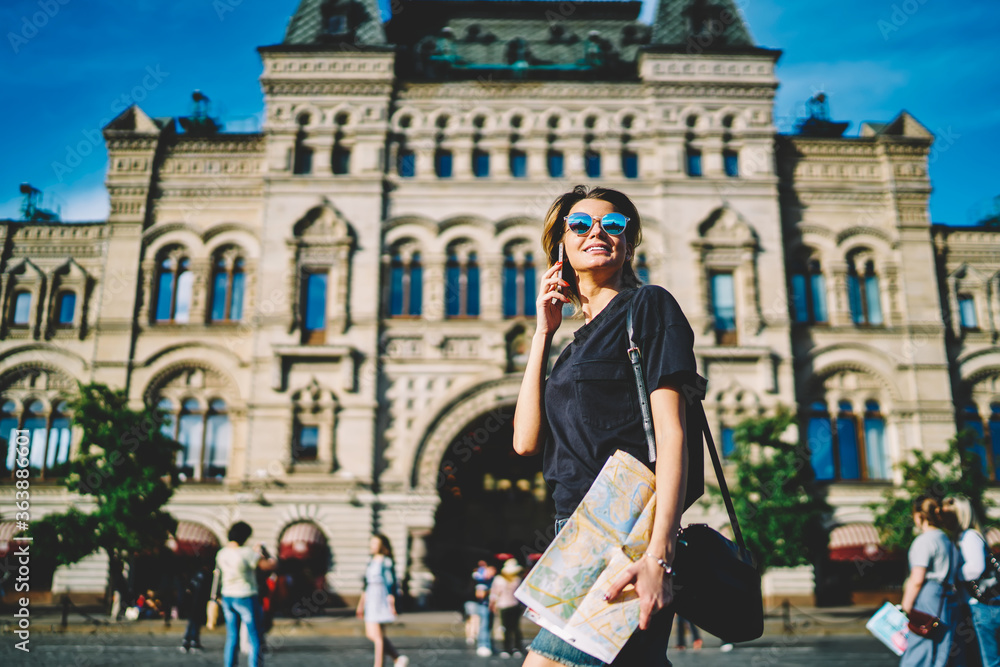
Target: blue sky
x=68 y=66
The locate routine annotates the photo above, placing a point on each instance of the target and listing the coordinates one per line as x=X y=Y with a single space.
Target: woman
x=588 y=406
x=975 y=559
x=378 y=601
x=930 y=588
x=504 y=604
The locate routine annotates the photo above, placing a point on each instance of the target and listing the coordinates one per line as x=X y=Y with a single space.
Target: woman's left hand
x=392 y=604
x=655 y=589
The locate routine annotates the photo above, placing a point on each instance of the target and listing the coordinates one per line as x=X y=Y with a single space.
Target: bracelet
x=667 y=569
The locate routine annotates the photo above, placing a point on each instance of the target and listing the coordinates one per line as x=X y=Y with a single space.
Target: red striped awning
x=193 y=539
x=7 y=530
x=853 y=541
x=302 y=541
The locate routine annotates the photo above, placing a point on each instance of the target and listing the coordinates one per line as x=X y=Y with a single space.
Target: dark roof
x=701 y=25
x=318 y=21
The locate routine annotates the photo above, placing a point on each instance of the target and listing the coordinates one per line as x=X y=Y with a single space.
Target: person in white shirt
x=979 y=576
x=237 y=565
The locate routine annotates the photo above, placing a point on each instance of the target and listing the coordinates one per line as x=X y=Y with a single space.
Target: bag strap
x=634 y=355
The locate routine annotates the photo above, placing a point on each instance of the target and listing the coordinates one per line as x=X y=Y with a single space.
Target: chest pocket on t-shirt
x=606 y=391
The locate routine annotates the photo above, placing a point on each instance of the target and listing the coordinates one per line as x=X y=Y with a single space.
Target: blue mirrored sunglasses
x=612 y=223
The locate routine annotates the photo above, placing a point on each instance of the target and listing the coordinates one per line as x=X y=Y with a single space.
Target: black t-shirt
x=591 y=400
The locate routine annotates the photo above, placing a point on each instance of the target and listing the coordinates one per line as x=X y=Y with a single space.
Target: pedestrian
x=483 y=576
x=503 y=602
x=472 y=603
x=238 y=564
x=197 y=593
x=588 y=406
x=682 y=626
x=984 y=596
x=930 y=588
x=377 y=605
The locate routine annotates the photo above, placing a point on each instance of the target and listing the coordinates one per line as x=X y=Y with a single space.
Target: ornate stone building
x=334 y=309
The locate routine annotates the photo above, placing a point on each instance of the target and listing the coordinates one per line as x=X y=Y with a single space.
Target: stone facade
x=349 y=356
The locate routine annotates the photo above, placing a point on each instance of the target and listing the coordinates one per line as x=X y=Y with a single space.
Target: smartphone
x=562 y=271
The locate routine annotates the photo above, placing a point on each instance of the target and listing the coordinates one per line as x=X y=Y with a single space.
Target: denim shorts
x=646 y=648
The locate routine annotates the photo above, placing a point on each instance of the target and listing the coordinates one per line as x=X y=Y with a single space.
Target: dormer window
x=336 y=25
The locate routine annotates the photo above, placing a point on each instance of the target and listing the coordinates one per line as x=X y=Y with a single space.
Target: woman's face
x=374 y=546
x=595 y=251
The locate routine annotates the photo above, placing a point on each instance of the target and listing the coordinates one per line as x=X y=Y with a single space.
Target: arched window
x=340 y=157
x=876 y=455
x=480 y=163
x=864 y=295
x=66 y=309
x=519 y=289
x=21 y=316
x=302 y=155
x=228 y=283
x=406 y=162
x=847 y=448
x=461 y=297
x=314 y=292
x=405 y=285
x=809 y=294
x=442 y=163
x=630 y=162
x=723 y=297
x=57 y=450
x=692 y=158
x=555 y=163
x=967 y=312
x=642 y=268
x=205 y=437
x=48 y=435
x=731 y=162
x=969 y=418
x=592 y=163
x=174 y=285
x=518 y=163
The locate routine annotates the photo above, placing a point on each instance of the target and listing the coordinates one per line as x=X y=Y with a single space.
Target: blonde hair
x=554 y=229
x=964 y=515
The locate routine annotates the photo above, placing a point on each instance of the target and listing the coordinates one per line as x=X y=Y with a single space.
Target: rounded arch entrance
x=490 y=500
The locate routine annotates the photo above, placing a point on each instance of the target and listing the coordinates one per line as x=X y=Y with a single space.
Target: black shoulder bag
x=716 y=582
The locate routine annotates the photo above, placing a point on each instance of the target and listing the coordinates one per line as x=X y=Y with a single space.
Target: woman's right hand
x=550 y=314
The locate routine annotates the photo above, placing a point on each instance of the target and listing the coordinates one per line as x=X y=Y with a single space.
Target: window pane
x=416 y=287
x=592 y=164
x=315 y=319
x=190 y=436
x=530 y=287
x=59 y=437
x=341 y=161
x=219 y=285
x=396 y=287
x=820 y=441
x=731 y=163
x=164 y=294
x=480 y=163
x=967 y=312
x=472 y=291
x=873 y=300
x=308 y=443
x=818 y=283
x=452 y=289
x=303 y=159
x=875 y=452
x=854 y=299
x=22 y=308
x=555 y=164
x=67 y=307
x=630 y=164
x=442 y=164
x=36 y=434
x=518 y=164
x=723 y=302
x=509 y=288
x=236 y=306
x=642 y=269
x=8 y=424
x=847 y=439
x=219 y=435
x=693 y=162
x=800 y=304
x=185 y=281
x=728 y=442
x=407 y=164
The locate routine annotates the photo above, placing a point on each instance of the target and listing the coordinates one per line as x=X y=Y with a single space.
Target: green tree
x=775 y=495
x=125 y=465
x=955 y=470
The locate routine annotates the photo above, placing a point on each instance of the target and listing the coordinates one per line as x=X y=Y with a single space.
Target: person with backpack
x=197 y=593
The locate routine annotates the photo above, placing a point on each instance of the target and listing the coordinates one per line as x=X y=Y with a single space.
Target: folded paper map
x=889 y=626
x=564 y=591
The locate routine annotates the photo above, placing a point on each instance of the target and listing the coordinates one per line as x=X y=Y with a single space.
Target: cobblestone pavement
x=132 y=650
